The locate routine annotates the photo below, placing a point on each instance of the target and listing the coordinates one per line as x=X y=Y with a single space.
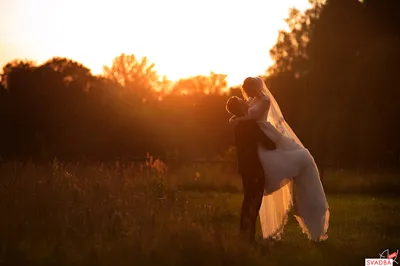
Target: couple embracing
x=277 y=171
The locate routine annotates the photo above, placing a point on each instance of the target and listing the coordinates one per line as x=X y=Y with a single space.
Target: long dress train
x=292 y=179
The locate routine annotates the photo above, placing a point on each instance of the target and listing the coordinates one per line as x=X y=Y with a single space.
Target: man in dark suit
x=247 y=136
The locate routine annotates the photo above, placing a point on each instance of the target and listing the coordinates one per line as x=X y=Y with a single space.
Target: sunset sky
x=182 y=38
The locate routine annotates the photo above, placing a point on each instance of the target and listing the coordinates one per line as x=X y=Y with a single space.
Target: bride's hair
x=251 y=87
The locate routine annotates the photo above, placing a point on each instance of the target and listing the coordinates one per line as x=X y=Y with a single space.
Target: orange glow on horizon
x=182 y=38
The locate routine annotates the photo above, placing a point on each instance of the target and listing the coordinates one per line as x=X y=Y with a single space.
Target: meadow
x=150 y=214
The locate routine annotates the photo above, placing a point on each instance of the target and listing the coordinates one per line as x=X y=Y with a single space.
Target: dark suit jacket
x=247 y=135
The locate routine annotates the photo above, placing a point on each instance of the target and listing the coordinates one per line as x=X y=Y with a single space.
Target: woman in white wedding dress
x=291 y=164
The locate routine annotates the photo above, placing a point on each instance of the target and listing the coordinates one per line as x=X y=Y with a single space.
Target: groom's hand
x=233 y=120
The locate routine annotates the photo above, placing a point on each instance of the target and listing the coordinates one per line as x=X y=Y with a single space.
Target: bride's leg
x=280 y=167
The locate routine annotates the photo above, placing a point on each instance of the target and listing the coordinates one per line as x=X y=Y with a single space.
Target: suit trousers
x=253 y=190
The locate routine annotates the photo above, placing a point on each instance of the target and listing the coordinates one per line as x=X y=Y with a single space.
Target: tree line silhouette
x=335 y=77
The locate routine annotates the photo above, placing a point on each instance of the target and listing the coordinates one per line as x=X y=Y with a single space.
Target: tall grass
x=106 y=215
x=135 y=214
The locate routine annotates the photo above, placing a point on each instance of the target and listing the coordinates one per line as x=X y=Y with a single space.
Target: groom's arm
x=251 y=130
x=263 y=139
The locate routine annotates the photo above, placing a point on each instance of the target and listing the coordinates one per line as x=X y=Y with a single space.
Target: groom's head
x=236 y=106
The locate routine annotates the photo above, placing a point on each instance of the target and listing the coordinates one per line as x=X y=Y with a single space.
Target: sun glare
x=182 y=38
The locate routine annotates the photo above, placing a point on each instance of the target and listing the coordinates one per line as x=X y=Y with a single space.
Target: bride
x=289 y=167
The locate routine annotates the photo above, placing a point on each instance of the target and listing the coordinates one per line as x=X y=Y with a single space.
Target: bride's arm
x=258 y=114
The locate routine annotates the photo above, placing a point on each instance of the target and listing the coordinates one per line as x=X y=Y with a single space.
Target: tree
x=336 y=67
x=291 y=53
x=14 y=67
x=133 y=74
x=74 y=74
x=201 y=84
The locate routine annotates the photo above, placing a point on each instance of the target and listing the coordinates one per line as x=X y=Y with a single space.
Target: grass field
x=148 y=215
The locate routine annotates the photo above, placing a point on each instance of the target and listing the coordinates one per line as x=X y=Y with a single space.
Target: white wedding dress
x=289 y=165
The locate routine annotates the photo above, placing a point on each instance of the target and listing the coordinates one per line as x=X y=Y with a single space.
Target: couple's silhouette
x=277 y=170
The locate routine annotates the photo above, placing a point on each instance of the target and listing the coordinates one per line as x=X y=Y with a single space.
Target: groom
x=247 y=136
